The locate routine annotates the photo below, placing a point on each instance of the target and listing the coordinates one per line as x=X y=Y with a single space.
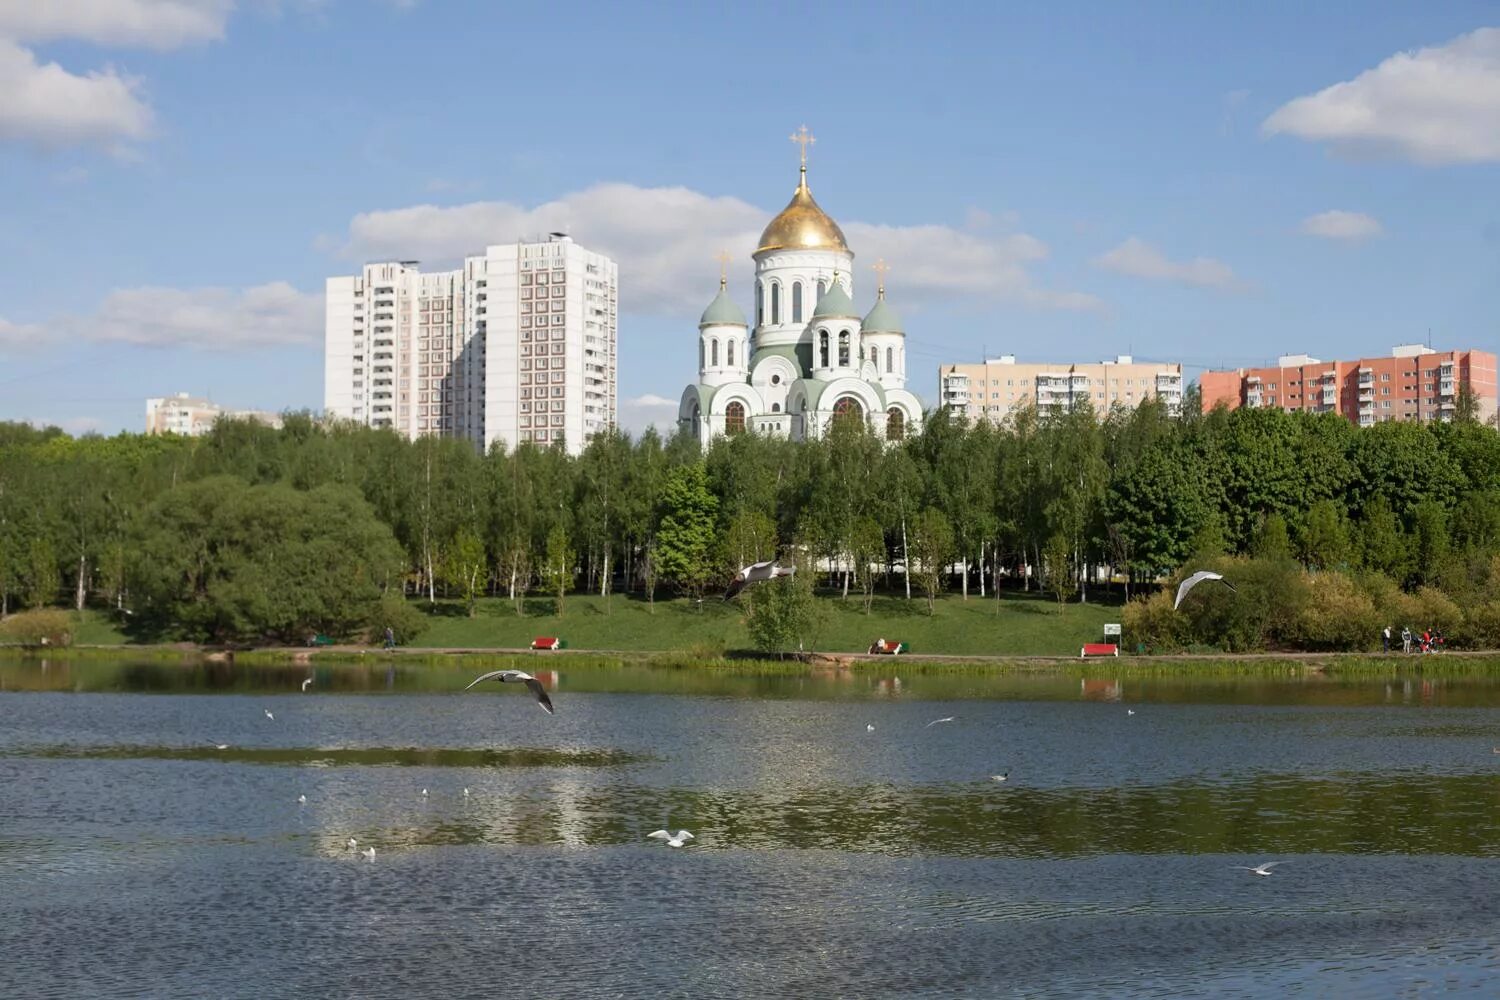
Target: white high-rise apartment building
x=519 y=344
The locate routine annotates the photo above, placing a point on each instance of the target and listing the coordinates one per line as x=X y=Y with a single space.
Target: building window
x=760 y=304
x=895 y=424
x=822 y=348
x=848 y=408
x=715 y=352
x=890 y=363
x=729 y=352
x=702 y=348
x=843 y=348
x=775 y=407
x=734 y=417
x=796 y=302
x=822 y=289
x=775 y=302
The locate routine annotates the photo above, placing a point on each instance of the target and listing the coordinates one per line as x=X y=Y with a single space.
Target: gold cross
x=723 y=258
x=803 y=138
x=881 y=269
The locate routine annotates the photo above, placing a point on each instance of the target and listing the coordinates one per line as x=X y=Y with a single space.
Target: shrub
x=395 y=613
x=1151 y=623
x=1335 y=615
x=1438 y=611
x=1481 y=628
x=44 y=627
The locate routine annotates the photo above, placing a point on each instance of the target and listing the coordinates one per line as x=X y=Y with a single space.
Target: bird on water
x=673 y=839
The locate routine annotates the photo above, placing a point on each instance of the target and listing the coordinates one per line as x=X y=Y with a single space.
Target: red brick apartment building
x=1414 y=383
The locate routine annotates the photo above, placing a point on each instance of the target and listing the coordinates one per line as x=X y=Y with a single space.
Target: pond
x=162 y=836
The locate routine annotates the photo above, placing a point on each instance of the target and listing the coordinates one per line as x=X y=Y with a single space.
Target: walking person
x=1406 y=639
x=1385 y=639
x=390 y=638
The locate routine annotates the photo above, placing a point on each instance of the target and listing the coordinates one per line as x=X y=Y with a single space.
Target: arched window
x=890 y=362
x=822 y=289
x=760 y=303
x=843 y=348
x=895 y=423
x=734 y=417
x=775 y=302
x=848 y=408
x=775 y=407
x=796 y=302
x=716 y=352
x=822 y=348
x=729 y=350
x=702 y=354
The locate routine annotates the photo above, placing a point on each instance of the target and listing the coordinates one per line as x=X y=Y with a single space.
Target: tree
x=558 y=571
x=685 y=532
x=1055 y=557
x=39 y=586
x=783 y=614
x=867 y=543
x=1325 y=538
x=1271 y=542
x=932 y=547
x=464 y=565
x=1381 y=541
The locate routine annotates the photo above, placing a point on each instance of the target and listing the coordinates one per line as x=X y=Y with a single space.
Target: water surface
x=138 y=858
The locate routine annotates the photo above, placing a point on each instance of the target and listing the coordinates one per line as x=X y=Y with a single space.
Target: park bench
x=889 y=649
x=546 y=642
x=1099 y=649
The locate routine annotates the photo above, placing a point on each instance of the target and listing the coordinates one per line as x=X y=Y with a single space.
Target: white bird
x=302 y=798
x=306 y=683
x=756 y=573
x=466 y=793
x=869 y=727
x=518 y=675
x=1194 y=580
x=934 y=722
x=369 y=852
x=269 y=715
x=424 y=793
x=1264 y=869
x=351 y=843
x=1000 y=777
x=673 y=840
x=1130 y=711
x=221 y=746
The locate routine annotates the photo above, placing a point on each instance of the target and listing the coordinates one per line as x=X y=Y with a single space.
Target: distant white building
x=991 y=390
x=191 y=416
x=519 y=344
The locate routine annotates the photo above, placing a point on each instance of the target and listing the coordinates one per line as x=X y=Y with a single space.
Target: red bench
x=889 y=649
x=1099 y=649
x=546 y=642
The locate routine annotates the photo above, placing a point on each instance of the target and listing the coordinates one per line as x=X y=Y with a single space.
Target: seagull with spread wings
x=756 y=573
x=1194 y=580
x=505 y=676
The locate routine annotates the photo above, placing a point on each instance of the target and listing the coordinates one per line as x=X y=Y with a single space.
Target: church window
x=775 y=379
x=848 y=408
x=702 y=350
x=822 y=288
x=729 y=350
x=715 y=352
x=775 y=302
x=890 y=364
x=822 y=348
x=843 y=348
x=775 y=407
x=760 y=303
x=796 y=302
x=734 y=417
x=895 y=424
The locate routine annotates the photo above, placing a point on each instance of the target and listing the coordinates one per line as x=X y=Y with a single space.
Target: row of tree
x=255 y=531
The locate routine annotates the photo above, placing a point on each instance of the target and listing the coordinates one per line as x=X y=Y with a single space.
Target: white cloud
x=665 y=241
x=1436 y=105
x=153 y=24
x=1140 y=259
x=212 y=319
x=19 y=334
x=46 y=105
x=644 y=411
x=1340 y=225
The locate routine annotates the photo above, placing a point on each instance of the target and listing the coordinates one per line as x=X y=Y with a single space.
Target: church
x=810 y=358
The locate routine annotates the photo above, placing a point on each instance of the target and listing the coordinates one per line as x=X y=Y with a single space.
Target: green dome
x=722 y=311
x=835 y=302
x=882 y=319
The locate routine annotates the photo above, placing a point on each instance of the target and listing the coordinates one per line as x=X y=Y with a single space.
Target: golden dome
x=802 y=225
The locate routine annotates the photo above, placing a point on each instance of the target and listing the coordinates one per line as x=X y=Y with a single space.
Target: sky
x=1214 y=184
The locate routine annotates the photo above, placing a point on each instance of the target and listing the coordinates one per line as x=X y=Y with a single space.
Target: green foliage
x=395 y=613
x=558 y=568
x=784 y=616
x=464 y=566
x=45 y=627
x=685 y=533
x=1325 y=536
x=931 y=549
x=1271 y=540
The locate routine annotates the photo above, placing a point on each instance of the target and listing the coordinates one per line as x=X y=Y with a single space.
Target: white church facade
x=810 y=357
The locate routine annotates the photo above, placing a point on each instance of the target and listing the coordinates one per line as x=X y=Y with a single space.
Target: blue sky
x=1209 y=183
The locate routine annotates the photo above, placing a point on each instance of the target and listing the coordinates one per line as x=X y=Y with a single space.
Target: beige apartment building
x=995 y=388
x=191 y=416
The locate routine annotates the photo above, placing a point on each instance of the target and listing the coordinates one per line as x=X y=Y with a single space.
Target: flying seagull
x=269 y=715
x=518 y=675
x=756 y=573
x=673 y=840
x=934 y=722
x=1264 y=869
x=306 y=683
x=1194 y=580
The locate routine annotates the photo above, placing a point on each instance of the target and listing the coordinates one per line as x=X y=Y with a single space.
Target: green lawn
x=1017 y=625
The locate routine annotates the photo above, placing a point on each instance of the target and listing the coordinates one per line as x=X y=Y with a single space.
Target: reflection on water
x=138 y=859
